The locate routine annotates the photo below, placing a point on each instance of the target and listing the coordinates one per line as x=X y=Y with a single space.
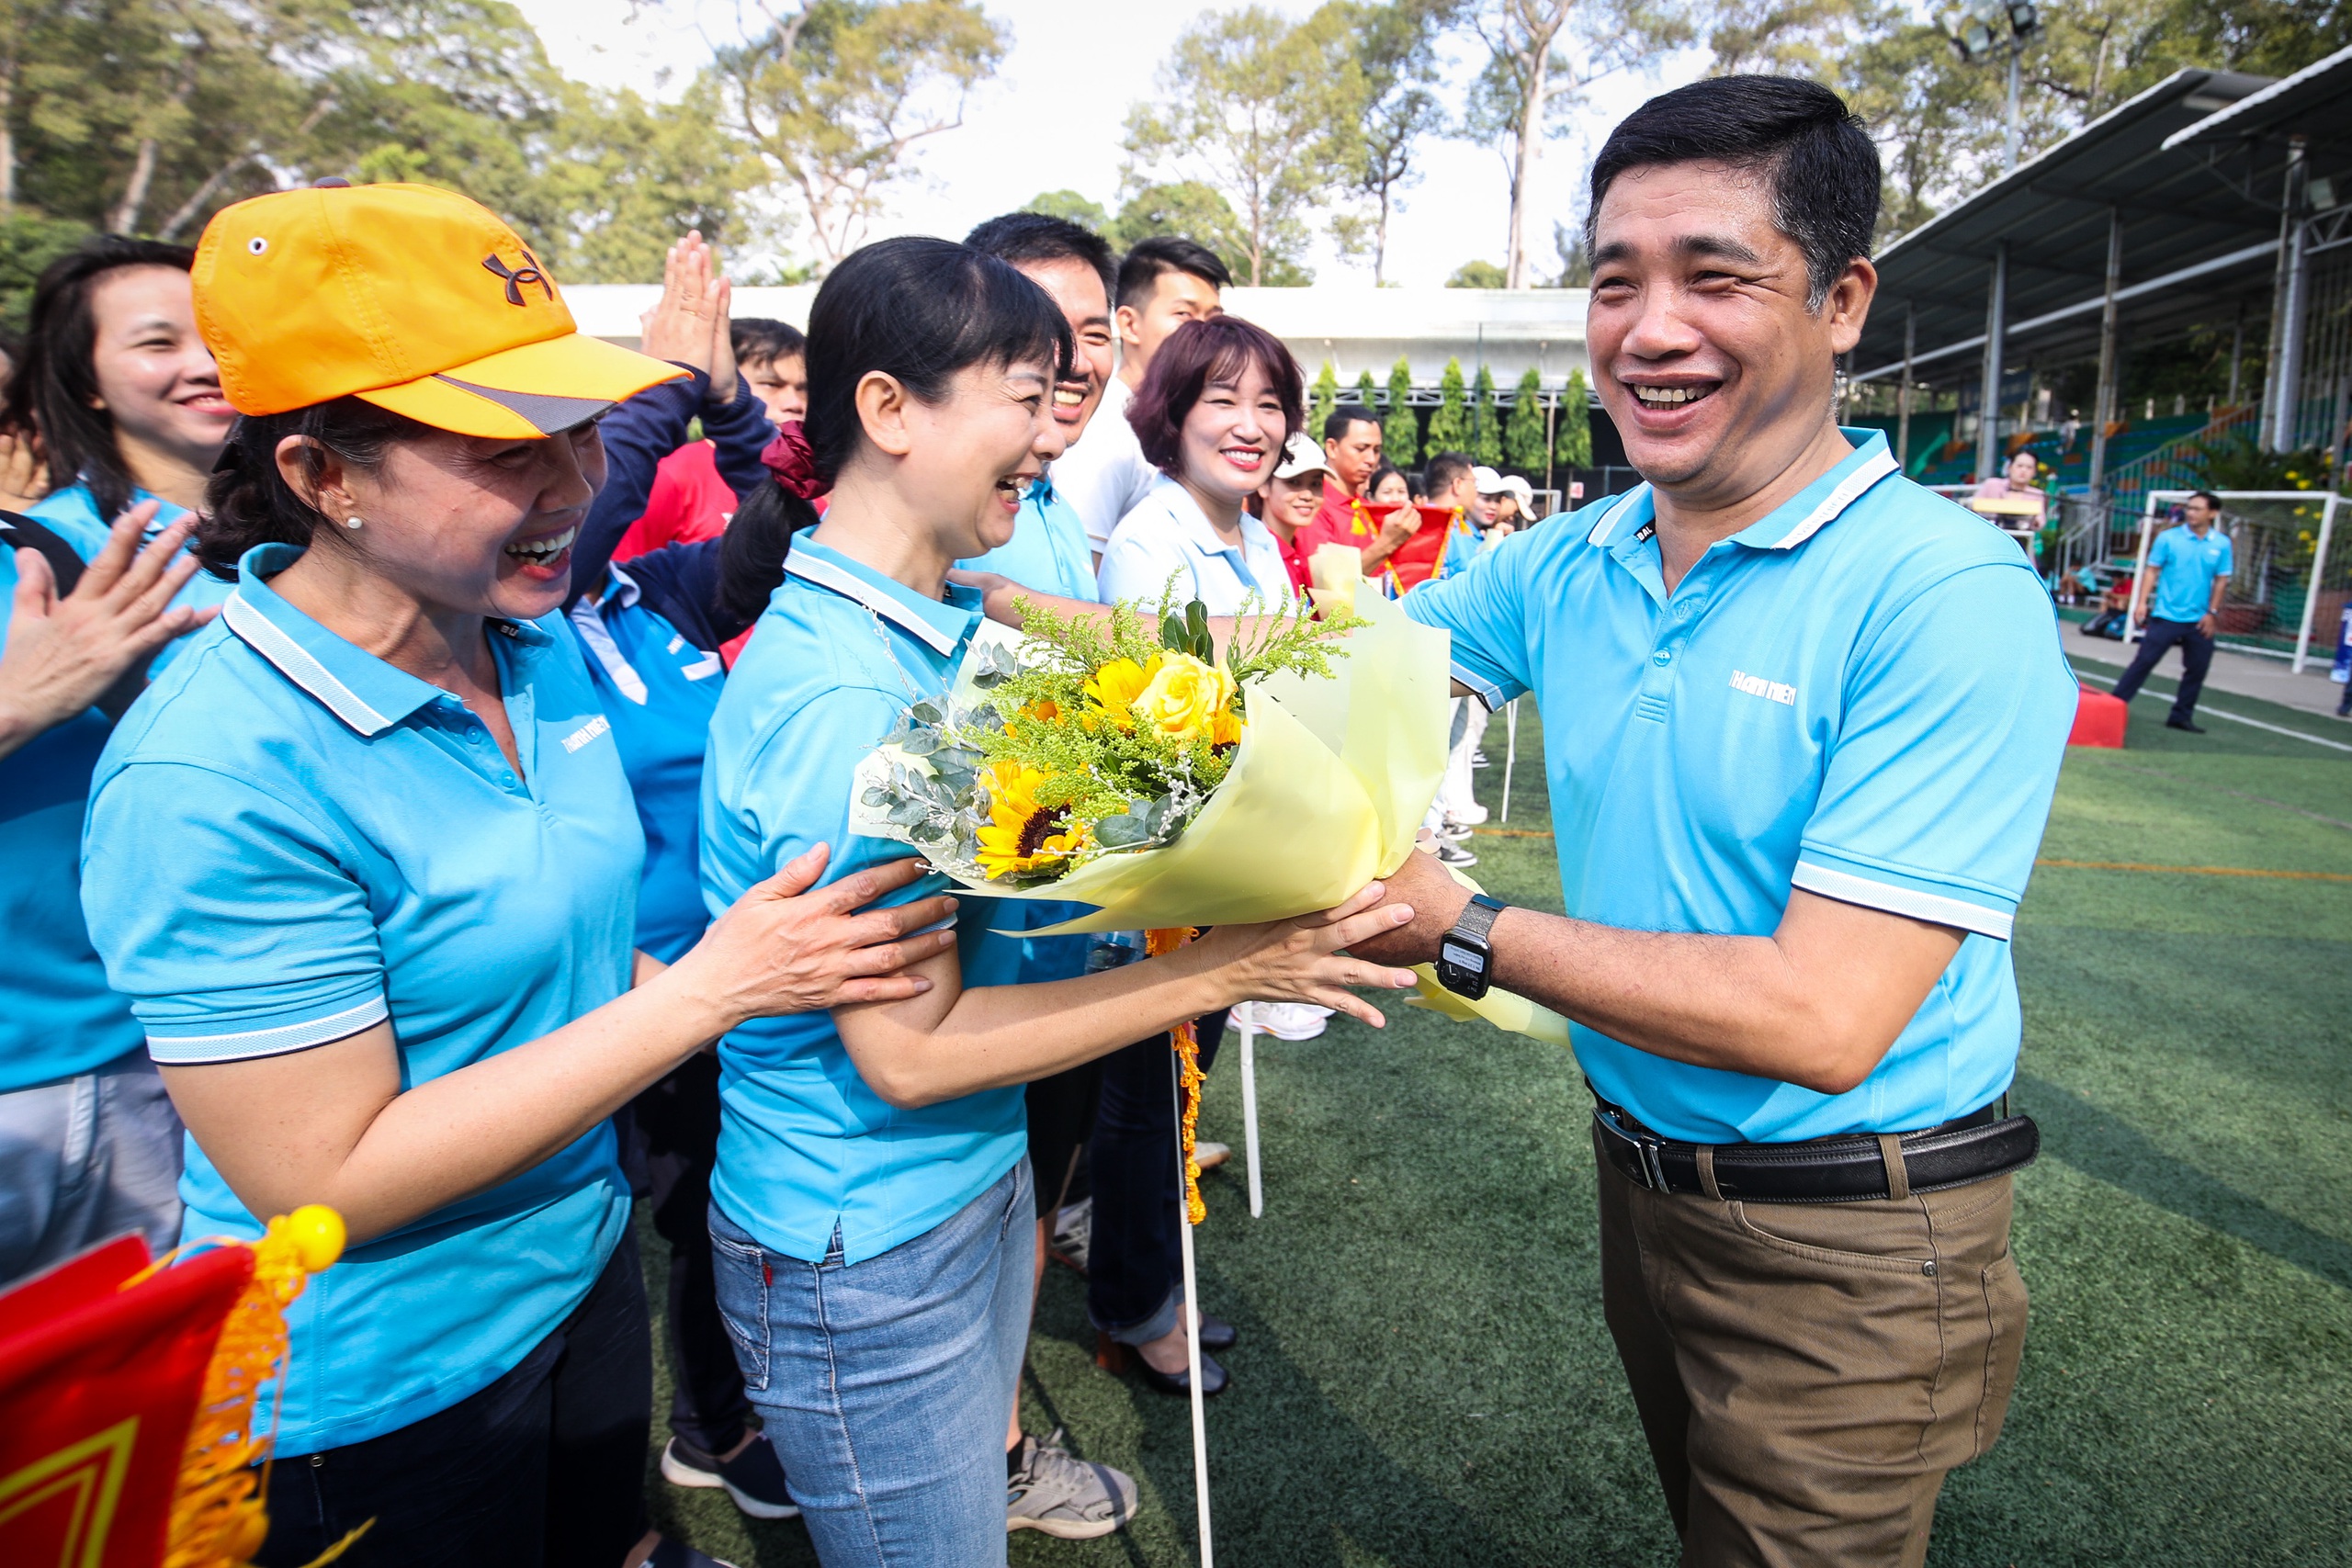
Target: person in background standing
x=651 y=634
x=2189 y=572
x=89 y=1145
x=1292 y=498
x=1389 y=487
x=128 y=402
x=772 y=357
x=1048 y=1488
x=123 y=394
x=698 y=484
x=1222 y=400
x=1352 y=453
x=1164 y=282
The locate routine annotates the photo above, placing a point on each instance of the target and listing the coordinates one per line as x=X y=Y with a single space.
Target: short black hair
x=1336 y=423
x=1443 y=469
x=1018 y=237
x=1140 y=270
x=762 y=340
x=2208 y=497
x=1823 y=165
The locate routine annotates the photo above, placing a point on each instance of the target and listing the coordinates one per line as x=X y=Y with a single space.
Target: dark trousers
x=545 y=1466
x=677 y=1132
x=1134 y=1260
x=2196 y=657
x=1806 y=1374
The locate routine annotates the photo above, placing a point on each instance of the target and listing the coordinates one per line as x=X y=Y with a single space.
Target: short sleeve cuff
x=1873 y=885
x=178 y=1045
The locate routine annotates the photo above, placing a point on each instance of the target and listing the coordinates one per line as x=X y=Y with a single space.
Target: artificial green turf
x=1424 y=1376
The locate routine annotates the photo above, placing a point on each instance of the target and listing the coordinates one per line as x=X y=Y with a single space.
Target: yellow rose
x=1184 y=696
x=1117 y=684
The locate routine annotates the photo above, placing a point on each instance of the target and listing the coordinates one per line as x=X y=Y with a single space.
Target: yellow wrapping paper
x=1325 y=792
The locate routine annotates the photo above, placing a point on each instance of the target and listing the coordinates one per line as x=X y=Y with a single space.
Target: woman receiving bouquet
x=871 y=1214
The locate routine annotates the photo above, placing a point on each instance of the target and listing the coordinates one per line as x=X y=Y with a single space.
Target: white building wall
x=1357 y=328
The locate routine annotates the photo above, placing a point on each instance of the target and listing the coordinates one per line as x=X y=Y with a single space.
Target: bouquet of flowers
x=1135 y=769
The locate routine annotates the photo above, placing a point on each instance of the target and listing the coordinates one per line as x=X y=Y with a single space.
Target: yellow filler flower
x=1023 y=836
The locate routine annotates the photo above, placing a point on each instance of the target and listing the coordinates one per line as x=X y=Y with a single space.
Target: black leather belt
x=1975 y=1147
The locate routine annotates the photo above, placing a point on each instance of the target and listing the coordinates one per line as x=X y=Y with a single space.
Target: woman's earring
x=352 y=522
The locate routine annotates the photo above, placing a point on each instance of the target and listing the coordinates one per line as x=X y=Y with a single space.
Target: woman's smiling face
x=1231 y=434
x=972 y=456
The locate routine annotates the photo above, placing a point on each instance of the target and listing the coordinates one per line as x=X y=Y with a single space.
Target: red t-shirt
x=689 y=503
x=1293 y=562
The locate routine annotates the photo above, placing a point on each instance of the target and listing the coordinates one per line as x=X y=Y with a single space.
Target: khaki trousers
x=1806 y=1374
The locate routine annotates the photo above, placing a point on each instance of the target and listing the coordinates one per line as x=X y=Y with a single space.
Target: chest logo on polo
x=1757 y=686
x=586 y=732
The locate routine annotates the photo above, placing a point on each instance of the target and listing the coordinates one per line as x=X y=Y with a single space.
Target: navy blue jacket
x=679 y=581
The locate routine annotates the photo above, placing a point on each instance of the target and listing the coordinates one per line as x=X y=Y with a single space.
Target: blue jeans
x=886 y=1385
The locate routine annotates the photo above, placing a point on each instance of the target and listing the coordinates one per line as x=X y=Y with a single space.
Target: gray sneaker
x=1067 y=1497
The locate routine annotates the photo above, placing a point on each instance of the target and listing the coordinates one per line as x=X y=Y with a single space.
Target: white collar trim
x=849 y=586
x=297 y=665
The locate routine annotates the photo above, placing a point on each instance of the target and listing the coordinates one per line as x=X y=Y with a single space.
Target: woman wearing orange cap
x=365 y=862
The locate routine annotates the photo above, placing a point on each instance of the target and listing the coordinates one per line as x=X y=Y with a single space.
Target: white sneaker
x=1209 y=1154
x=1469 y=815
x=1290 y=1021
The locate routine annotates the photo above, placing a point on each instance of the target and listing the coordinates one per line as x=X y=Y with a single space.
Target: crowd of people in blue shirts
x=314 y=887
x=426 y=744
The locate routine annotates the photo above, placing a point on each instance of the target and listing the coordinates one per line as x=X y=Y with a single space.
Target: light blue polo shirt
x=290 y=841
x=73 y=515
x=1167 y=536
x=1048 y=550
x=2190 y=565
x=805 y=1149
x=660 y=690
x=57 y=1017
x=1860 y=695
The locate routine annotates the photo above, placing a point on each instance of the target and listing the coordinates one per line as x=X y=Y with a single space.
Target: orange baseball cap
x=418 y=300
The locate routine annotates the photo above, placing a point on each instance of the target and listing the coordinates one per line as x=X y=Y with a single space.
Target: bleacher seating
x=2136 y=440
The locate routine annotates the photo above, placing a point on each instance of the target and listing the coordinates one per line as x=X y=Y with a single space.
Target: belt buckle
x=1651 y=1167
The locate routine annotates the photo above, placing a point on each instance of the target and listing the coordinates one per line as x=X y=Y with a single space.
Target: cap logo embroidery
x=518 y=278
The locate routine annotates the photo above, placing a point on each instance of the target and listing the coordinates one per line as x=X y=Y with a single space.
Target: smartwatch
x=1465 y=960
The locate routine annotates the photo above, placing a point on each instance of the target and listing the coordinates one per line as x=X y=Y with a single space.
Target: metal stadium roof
x=2314 y=103
x=2200 y=230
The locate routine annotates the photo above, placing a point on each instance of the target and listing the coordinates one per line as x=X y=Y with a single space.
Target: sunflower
x=1023 y=837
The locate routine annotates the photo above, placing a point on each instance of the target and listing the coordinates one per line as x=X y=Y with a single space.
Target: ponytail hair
x=919 y=311
x=248 y=502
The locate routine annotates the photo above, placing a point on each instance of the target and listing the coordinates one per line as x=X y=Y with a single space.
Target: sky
x=1053 y=116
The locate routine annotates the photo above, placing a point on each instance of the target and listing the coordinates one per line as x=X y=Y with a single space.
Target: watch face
x=1461 y=957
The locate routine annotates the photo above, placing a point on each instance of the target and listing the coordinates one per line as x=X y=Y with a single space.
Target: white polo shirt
x=1167 y=536
x=1104 y=474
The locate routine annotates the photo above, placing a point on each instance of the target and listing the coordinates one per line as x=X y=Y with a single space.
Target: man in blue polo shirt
x=89 y=1146
x=2189 y=571
x=1803 y=721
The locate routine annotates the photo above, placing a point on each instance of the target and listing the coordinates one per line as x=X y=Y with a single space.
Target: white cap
x=1302 y=454
x=1517 y=484
x=1488 y=481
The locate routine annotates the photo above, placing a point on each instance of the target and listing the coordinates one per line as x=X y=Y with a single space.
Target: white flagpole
x=1246 y=1016
x=1192 y=1322
x=1510 y=755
